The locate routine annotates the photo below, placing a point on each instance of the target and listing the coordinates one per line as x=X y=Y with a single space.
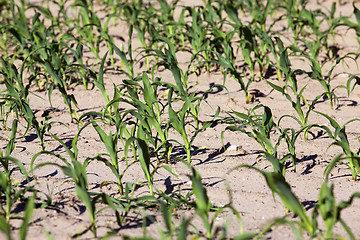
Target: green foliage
x=261 y=127
x=43 y=49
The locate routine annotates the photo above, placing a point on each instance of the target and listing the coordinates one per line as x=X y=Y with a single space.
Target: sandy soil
x=250 y=194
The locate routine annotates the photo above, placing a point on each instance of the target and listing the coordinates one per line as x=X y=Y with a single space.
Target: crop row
x=52 y=46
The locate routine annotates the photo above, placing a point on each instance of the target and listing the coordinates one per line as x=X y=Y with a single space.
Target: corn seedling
x=148 y=112
x=329 y=210
x=89 y=21
x=278 y=185
x=143 y=157
x=229 y=68
x=5 y=227
x=190 y=107
x=10 y=192
x=340 y=139
x=126 y=57
x=251 y=51
x=77 y=172
x=261 y=128
x=353 y=25
x=303 y=116
x=290 y=136
x=51 y=45
x=110 y=141
x=203 y=207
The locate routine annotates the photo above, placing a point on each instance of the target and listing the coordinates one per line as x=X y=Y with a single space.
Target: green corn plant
x=144 y=159
x=190 y=107
x=3 y=8
x=153 y=23
x=166 y=212
x=113 y=115
x=353 y=25
x=148 y=168
x=252 y=52
x=78 y=55
x=166 y=17
x=140 y=152
x=77 y=172
x=259 y=11
x=261 y=128
x=5 y=227
x=204 y=33
x=148 y=111
x=11 y=144
x=329 y=210
x=167 y=23
x=298 y=232
x=326 y=81
x=282 y=60
x=203 y=207
x=348 y=86
x=292 y=8
x=99 y=78
x=8 y=186
x=137 y=145
x=10 y=191
x=39 y=52
x=141 y=36
x=229 y=68
x=27 y=217
x=142 y=18
x=196 y=33
x=127 y=59
x=312 y=19
x=41 y=128
x=128 y=203
x=155 y=109
x=278 y=185
x=220 y=40
x=169 y=61
x=177 y=120
x=289 y=135
x=19 y=27
x=300 y=19
x=316 y=72
x=332 y=23
x=4 y=20
x=122 y=205
x=110 y=141
x=69 y=99
x=59 y=21
x=340 y=139
x=231 y=9
x=302 y=117
x=220 y=45
x=36 y=41
x=115 y=8
x=281 y=56
x=228 y=49
x=202 y=201
x=104 y=35
x=89 y=22
x=168 y=205
x=213 y=38
x=17 y=97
